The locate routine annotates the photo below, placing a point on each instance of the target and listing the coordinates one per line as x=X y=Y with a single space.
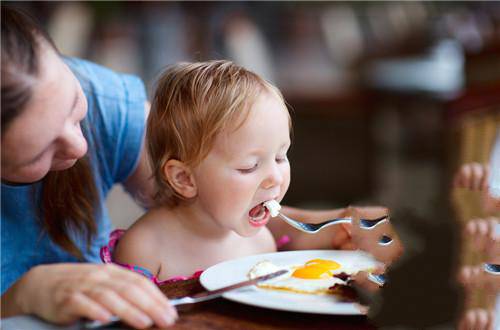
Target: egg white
x=289 y=283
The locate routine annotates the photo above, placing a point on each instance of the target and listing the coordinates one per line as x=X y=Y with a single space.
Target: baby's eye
x=248 y=170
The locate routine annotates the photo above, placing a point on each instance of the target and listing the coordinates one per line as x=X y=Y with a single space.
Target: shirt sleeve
x=129 y=130
x=116 y=118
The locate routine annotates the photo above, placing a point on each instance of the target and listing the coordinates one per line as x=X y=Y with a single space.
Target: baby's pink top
x=107 y=257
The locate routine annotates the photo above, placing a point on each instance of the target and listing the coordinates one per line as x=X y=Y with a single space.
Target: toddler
x=217 y=138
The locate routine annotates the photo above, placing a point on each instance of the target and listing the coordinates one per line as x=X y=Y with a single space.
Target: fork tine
x=372 y=223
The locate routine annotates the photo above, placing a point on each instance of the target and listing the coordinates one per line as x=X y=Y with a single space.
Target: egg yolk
x=316 y=269
x=323 y=263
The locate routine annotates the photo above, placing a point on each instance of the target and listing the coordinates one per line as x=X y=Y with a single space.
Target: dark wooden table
x=224 y=314
x=215 y=314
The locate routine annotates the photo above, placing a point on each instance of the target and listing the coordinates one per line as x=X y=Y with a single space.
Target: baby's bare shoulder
x=140 y=245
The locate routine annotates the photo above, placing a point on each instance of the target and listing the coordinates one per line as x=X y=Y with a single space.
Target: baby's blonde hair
x=192 y=104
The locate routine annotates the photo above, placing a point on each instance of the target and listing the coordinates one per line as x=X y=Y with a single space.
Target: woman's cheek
x=36 y=171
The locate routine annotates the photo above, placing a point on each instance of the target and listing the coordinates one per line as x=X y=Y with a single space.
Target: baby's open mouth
x=261 y=213
x=258 y=212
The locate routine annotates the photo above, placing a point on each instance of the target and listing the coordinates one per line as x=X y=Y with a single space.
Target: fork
x=493 y=269
x=381 y=279
x=312 y=228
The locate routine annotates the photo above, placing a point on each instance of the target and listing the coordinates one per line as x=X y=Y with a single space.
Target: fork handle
x=183 y=301
x=338 y=221
x=333 y=222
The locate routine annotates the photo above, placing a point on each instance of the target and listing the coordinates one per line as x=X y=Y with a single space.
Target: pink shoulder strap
x=107 y=257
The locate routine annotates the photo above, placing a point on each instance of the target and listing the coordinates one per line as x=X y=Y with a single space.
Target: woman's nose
x=73 y=143
x=274 y=178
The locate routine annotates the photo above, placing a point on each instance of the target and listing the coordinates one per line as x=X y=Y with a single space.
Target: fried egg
x=313 y=277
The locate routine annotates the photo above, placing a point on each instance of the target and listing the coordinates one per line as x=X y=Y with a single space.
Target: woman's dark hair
x=69 y=197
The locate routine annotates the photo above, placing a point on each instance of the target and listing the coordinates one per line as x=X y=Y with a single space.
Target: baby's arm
x=137 y=248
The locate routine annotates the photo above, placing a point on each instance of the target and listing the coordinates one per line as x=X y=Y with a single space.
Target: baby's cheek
x=286 y=182
x=243 y=192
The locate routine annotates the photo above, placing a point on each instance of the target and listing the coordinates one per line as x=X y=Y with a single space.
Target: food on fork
x=273 y=206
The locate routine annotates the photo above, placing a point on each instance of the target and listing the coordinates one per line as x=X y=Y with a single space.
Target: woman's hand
x=477 y=319
x=481 y=233
x=369 y=240
x=63 y=293
x=362 y=281
x=343 y=239
x=472 y=176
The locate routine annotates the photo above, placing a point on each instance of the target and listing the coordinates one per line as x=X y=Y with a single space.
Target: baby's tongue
x=256 y=211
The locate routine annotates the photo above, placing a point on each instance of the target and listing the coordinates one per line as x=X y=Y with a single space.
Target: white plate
x=233 y=271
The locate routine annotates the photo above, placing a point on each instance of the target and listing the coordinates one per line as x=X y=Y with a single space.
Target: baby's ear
x=180 y=177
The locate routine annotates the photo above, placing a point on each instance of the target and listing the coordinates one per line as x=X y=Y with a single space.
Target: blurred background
x=387 y=98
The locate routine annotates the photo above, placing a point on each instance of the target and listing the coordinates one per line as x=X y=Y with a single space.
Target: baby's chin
x=248 y=231
x=248 y=235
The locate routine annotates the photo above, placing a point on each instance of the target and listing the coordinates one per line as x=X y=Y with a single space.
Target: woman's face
x=46 y=136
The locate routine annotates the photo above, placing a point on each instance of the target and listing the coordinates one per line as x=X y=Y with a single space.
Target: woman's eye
x=247 y=170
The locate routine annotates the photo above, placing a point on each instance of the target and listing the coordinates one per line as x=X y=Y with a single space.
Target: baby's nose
x=275 y=178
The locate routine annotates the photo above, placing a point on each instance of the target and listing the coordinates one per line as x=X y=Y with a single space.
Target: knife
x=199 y=297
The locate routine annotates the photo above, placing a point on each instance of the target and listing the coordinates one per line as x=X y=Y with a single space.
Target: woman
x=71 y=130
x=54 y=110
